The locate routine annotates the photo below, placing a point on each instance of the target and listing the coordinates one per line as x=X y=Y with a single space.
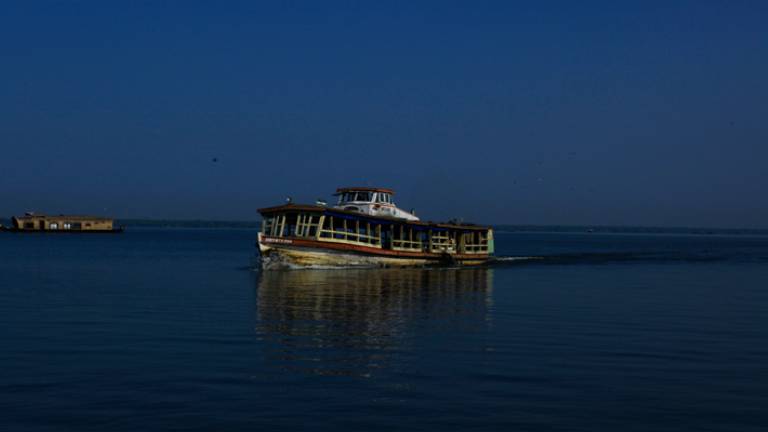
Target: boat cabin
x=371 y=201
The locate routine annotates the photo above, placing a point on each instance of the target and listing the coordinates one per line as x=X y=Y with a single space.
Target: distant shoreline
x=596 y=229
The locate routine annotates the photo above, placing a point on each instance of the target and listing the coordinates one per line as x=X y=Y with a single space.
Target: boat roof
x=332 y=211
x=364 y=189
x=45 y=216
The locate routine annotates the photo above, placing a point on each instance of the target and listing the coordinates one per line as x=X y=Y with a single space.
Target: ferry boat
x=365 y=228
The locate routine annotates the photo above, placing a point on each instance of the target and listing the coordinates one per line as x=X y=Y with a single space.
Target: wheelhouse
x=371 y=201
x=364 y=197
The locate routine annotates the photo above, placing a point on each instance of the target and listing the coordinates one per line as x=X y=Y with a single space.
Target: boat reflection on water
x=351 y=322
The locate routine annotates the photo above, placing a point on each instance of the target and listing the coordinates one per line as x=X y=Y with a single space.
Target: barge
x=365 y=228
x=40 y=223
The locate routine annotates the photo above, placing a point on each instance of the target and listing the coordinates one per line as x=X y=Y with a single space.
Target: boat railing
x=354 y=231
x=360 y=231
x=405 y=239
x=475 y=243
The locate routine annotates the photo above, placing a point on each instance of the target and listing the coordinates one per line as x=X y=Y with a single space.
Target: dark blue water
x=171 y=330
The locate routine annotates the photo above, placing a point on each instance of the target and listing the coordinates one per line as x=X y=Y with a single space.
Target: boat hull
x=61 y=231
x=277 y=253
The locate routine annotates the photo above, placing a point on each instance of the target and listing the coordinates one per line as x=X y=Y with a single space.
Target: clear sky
x=559 y=112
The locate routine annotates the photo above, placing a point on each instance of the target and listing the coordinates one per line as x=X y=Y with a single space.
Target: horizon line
x=518 y=225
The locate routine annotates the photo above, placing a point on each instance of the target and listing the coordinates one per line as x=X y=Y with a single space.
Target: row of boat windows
x=396 y=237
x=378 y=197
x=56 y=225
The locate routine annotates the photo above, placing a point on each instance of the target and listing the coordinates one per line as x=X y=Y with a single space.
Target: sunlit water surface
x=163 y=329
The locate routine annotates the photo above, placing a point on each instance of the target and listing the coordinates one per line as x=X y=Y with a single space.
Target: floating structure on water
x=36 y=223
x=365 y=228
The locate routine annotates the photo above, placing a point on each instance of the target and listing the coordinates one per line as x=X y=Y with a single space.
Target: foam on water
x=503 y=259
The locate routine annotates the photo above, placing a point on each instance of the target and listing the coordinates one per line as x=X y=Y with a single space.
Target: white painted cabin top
x=371 y=201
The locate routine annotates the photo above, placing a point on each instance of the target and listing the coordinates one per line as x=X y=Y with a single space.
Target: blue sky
x=619 y=113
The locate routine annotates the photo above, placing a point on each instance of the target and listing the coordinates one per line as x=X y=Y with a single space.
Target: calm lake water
x=172 y=329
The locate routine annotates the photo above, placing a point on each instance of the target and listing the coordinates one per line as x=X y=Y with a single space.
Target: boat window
x=475 y=242
x=347 y=230
x=356 y=196
x=289 y=223
x=307 y=225
x=353 y=196
x=405 y=237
